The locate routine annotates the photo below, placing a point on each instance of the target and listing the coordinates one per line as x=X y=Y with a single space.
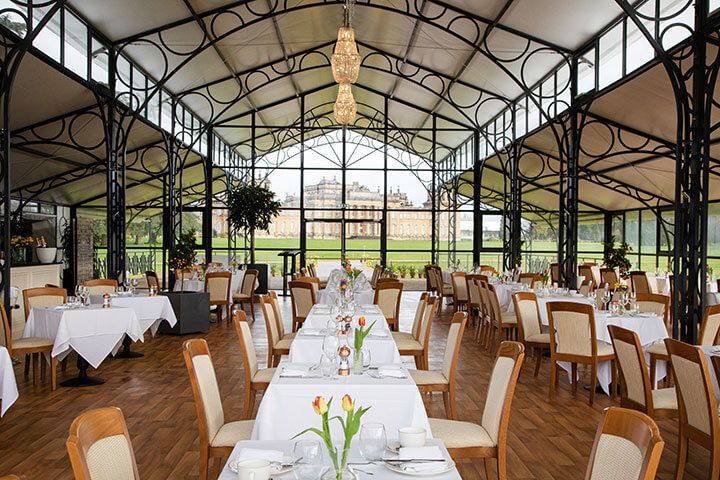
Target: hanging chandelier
x=345 y=61
x=345 y=108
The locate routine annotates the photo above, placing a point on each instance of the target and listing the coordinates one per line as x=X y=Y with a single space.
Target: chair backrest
x=246 y=346
x=419 y=311
x=7 y=330
x=101 y=286
x=425 y=326
x=635 y=388
x=640 y=283
x=314 y=281
x=432 y=278
x=473 y=290
x=627 y=446
x=710 y=326
x=43 y=297
x=609 y=276
x=184 y=274
x=596 y=276
x=278 y=314
x=217 y=284
x=302 y=295
x=387 y=297
x=152 y=279
x=249 y=282
x=382 y=280
x=654 y=303
x=496 y=414
x=527 y=313
x=452 y=347
x=377 y=271
x=695 y=393
x=493 y=303
x=208 y=403
x=586 y=288
x=585 y=271
x=554 y=273
x=488 y=269
x=485 y=308
x=99 y=446
x=270 y=320
x=573 y=325
x=459 y=284
x=529 y=279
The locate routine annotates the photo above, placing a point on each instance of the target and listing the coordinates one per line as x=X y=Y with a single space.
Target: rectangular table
x=362 y=297
x=320 y=314
x=8 y=387
x=150 y=311
x=198 y=285
x=286 y=407
x=379 y=472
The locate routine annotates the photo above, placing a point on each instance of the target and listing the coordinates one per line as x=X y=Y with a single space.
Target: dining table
x=8 y=386
x=329 y=296
x=92 y=331
x=197 y=284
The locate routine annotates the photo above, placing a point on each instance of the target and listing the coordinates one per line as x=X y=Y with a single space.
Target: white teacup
x=412 y=437
x=253 y=469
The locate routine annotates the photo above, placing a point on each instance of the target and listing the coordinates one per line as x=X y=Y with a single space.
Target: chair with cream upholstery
x=575 y=341
x=247 y=291
x=278 y=317
x=430 y=279
x=36 y=298
x=101 y=286
x=99 y=446
x=276 y=346
x=635 y=387
x=388 y=296
x=217 y=438
x=586 y=272
x=443 y=380
x=484 y=329
x=152 y=280
x=184 y=274
x=643 y=282
x=627 y=446
x=256 y=380
x=489 y=439
x=303 y=298
x=586 y=288
x=377 y=271
x=504 y=323
x=554 y=274
x=418 y=343
x=609 y=276
x=32 y=348
x=488 y=270
x=460 y=290
x=529 y=326
x=314 y=281
x=444 y=290
x=217 y=284
x=698 y=420
x=474 y=304
x=529 y=279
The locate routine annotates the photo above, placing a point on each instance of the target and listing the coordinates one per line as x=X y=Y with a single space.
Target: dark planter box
x=263 y=270
x=192 y=310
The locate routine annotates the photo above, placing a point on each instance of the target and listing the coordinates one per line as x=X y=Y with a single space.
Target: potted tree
x=617 y=257
x=182 y=255
x=253 y=207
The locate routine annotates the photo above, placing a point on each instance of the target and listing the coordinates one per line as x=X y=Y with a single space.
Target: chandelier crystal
x=345 y=60
x=345 y=108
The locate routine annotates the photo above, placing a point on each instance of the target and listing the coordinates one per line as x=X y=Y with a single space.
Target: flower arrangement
x=351 y=273
x=350 y=427
x=620 y=287
x=545 y=276
x=20 y=241
x=360 y=333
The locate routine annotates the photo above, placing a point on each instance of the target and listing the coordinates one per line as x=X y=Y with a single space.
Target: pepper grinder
x=344 y=368
x=106 y=300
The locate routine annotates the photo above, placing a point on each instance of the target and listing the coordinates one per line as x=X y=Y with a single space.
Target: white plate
x=449 y=465
x=275 y=471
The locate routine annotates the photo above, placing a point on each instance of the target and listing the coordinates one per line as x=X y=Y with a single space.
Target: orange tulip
x=347 y=403
x=361 y=321
x=320 y=406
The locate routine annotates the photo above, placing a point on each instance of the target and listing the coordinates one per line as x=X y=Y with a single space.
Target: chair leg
x=448 y=407
x=538 y=359
x=593 y=382
x=553 y=377
x=252 y=306
x=34 y=368
x=271 y=358
x=203 y=467
x=573 y=374
x=53 y=373
x=42 y=367
x=249 y=403
x=653 y=366
x=614 y=384
x=501 y=465
x=27 y=365
x=486 y=463
x=681 y=456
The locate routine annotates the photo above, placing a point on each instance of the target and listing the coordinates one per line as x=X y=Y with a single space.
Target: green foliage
x=412 y=271
x=617 y=257
x=250 y=208
x=182 y=255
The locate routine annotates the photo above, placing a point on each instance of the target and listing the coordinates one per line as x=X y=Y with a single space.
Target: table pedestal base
x=126 y=352
x=82 y=380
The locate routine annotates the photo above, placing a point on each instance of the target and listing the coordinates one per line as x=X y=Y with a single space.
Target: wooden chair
x=643 y=282
x=585 y=271
x=184 y=274
x=484 y=330
x=418 y=343
x=417 y=321
x=32 y=348
x=101 y=286
x=627 y=446
x=312 y=270
x=303 y=298
x=377 y=271
x=698 y=420
x=636 y=390
x=444 y=290
x=314 y=281
x=35 y=298
x=152 y=280
x=555 y=273
x=488 y=270
x=278 y=317
x=529 y=279
x=430 y=283
x=488 y=439
x=659 y=305
x=609 y=276
x=9 y=477
x=276 y=346
x=569 y=342
x=247 y=291
x=460 y=291
x=217 y=284
x=387 y=297
x=444 y=380
x=255 y=380
x=529 y=326
x=99 y=446
x=385 y=280
x=504 y=323
x=474 y=303
x=217 y=437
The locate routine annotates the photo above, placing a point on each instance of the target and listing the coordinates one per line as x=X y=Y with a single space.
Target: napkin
x=257 y=453
x=424 y=467
x=378 y=333
x=311 y=331
x=294 y=370
x=394 y=371
x=431 y=452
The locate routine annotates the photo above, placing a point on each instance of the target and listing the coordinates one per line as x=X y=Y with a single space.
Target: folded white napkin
x=394 y=371
x=378 y=333
x=311 y=331
x=294 y=370
x=424 y=467
x=431 y=452
x=257 y=453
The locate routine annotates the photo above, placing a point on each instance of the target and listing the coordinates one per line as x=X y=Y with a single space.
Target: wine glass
x=134 y=284
x=308 y=464
x=330 y=346
x=373 y=441
x=607 y=296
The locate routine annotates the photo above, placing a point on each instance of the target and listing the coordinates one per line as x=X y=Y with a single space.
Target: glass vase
x=339 y=469
x=361 y=360
x=18 y=255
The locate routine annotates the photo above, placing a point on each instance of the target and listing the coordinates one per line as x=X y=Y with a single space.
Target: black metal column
x=303 y=226
x=207 y=233
x=512 y=210
x=477 y=198
x=433 y=195
x=384 y=219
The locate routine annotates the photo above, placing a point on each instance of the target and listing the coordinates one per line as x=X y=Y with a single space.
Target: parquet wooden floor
x=547 y=440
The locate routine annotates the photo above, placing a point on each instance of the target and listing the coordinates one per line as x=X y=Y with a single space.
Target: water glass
x=331 y=343
x=309 y=464
x=373 y=441
x=328 y=366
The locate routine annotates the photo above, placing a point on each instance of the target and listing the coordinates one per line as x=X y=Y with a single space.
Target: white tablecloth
x=543 y=301
x=379 y=471
x=93 y=332
x=320 y=314
x=197 y=285
x=8 y=387
x=308 y=349
x=150 y=311
x=329 y=297
x=504 y=293
x=286 y=408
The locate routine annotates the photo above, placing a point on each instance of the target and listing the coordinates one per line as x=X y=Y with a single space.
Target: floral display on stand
x=350 y=427
x=19 y=245
x=359 y=354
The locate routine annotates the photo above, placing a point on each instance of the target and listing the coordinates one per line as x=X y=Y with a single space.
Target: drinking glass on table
x=330 y=346
x=134 y=284
x=607 y=296
x=373 y=441
x=308 y=456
